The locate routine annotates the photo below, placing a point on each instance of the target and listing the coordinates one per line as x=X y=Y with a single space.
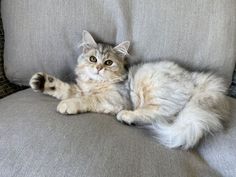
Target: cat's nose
x=99 y=67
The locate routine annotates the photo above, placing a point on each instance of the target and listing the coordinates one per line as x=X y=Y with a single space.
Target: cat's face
x=101 y=62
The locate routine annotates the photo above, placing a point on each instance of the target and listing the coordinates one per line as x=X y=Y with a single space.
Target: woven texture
x=6 y=87
x=233 y=85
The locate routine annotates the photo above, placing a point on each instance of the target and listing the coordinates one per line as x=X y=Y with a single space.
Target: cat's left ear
x=122 y=48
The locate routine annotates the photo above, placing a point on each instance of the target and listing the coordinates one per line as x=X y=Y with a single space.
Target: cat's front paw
x=67 y=107
x=42 y=82
x=126 y=117
x=37 y=82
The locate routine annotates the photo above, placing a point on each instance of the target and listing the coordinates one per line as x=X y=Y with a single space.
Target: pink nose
x=99 y=67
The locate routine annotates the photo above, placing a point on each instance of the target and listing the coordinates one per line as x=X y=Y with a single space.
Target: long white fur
x=191 y=104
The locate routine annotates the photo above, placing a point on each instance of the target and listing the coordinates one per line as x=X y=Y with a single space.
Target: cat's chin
x=96 y=77
x=93 y=77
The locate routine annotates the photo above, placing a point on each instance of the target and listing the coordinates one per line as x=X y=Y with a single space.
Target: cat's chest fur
x=94 y=88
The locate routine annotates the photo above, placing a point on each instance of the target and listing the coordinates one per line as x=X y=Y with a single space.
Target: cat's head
x=101 y=62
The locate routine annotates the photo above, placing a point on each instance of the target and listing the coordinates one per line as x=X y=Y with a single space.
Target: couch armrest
x=6 y=87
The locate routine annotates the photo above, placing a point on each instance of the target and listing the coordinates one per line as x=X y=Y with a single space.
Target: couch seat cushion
x=37 y=141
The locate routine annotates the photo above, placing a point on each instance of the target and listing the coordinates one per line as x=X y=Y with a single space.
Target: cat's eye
x=108 y=62
x=93 y=59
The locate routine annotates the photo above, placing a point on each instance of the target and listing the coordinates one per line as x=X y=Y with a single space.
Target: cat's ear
x=122 y=48
x=87 y=41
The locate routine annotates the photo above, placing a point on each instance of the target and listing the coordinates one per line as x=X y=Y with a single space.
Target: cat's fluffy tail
x=202 y=114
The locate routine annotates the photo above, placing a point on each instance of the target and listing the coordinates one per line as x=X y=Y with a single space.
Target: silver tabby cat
x=180 y=106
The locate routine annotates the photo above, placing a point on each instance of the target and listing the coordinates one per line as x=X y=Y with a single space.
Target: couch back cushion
x=42 y=35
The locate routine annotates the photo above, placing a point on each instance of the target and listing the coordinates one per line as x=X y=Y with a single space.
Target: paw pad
x=37 y=82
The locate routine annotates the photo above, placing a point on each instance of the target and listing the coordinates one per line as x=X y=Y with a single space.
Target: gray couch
x=42 y=35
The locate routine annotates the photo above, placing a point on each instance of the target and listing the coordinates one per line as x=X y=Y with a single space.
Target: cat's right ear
x=87 y=41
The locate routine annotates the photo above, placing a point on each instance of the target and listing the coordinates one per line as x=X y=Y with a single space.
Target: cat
x=179 y=106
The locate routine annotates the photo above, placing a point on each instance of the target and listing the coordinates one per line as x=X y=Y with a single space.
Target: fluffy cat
x=180 y=106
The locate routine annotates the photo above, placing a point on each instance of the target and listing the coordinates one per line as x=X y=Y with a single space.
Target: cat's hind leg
x=144 y=115
x=50 y=85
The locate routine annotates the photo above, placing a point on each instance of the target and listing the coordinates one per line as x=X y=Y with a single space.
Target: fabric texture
x=219 y=151
x=43 y=35
x=37 y=141
x=6 y=87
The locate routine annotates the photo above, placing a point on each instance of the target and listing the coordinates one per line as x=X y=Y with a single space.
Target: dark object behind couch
x=232 y=91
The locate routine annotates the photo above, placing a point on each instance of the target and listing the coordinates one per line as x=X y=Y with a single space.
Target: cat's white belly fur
x=163 y=84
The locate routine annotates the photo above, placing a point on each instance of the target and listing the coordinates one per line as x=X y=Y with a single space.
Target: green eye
x=93 y=59
x=108 y=62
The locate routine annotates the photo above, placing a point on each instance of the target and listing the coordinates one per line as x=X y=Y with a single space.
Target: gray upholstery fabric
x=42 y=35
x=36 y=141
x=220 y=151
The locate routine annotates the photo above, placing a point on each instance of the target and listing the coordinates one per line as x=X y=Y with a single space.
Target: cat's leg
x=47 y=84
x=144 y=115
x=93 y=103
x=84 y=104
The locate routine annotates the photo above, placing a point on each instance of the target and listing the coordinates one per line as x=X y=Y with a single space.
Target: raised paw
x=37 y=82
x=126 y=117
x=67 y=107
x=42 y=82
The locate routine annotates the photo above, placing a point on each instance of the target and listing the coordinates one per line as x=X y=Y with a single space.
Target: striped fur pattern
x=179 y=106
